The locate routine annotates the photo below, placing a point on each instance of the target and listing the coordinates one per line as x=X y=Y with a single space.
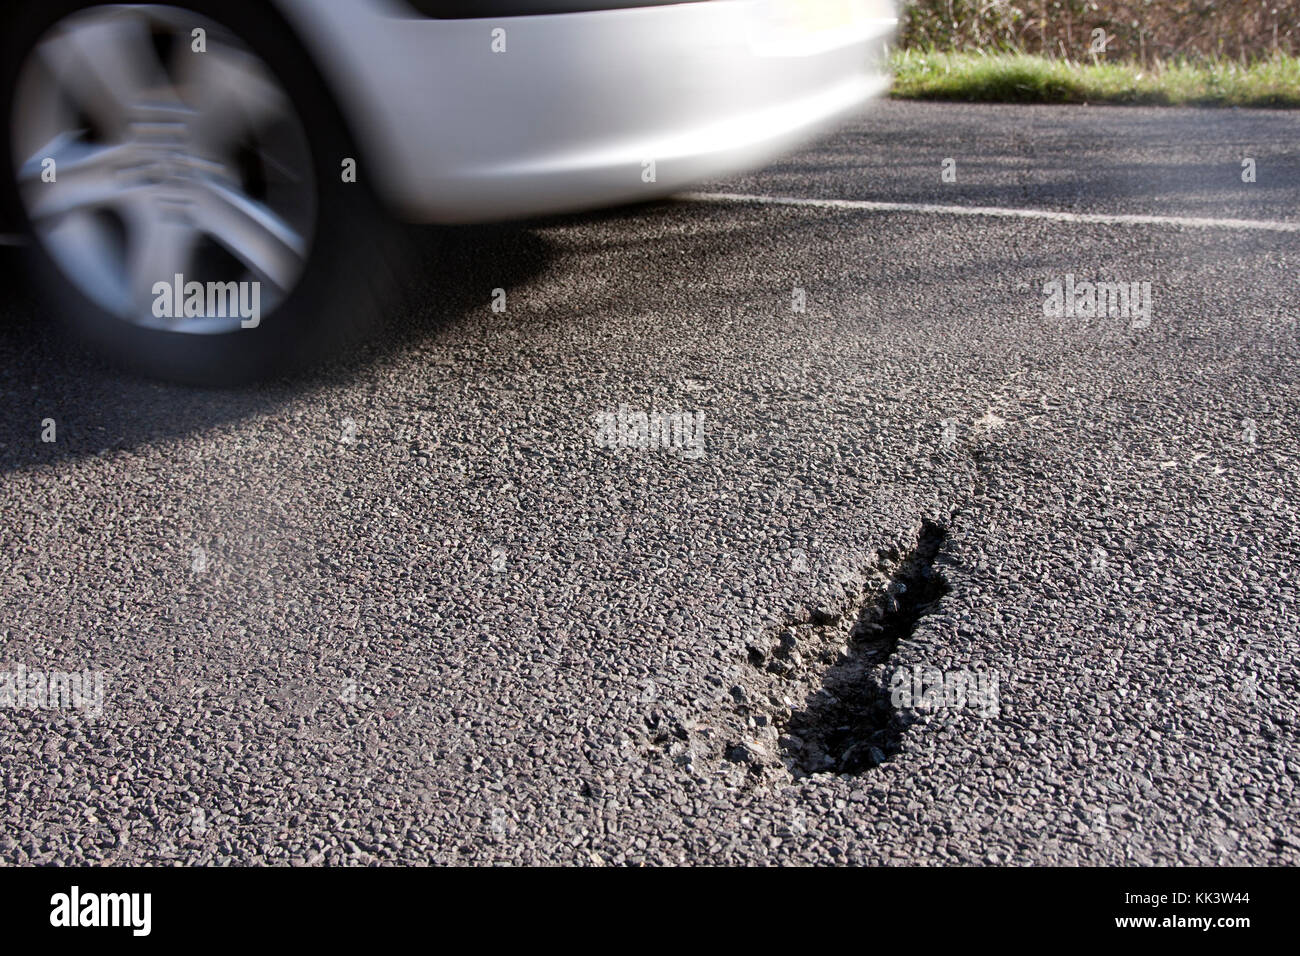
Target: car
x=205 y=186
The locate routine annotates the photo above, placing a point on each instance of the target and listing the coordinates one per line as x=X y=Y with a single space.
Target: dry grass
x=1142 y=31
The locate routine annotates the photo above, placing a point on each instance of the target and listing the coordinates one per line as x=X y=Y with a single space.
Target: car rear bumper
x=575 y=109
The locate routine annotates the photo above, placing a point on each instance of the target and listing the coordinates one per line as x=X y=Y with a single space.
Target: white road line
x=1002 y=212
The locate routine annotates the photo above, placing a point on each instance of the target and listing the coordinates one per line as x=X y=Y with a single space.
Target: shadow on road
x=45 y=374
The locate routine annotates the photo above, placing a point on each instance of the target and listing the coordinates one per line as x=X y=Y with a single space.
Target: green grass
x=1021 y=78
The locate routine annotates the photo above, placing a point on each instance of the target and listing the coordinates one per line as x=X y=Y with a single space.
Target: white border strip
x=1000 y=212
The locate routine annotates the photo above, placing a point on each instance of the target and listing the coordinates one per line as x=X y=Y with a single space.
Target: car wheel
x=179 y=171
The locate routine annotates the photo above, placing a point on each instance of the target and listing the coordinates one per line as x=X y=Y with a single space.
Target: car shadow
x=53 y=386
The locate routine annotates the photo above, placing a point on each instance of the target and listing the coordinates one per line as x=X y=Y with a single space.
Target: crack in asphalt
x=815 y=697
x=850 y=724
x=847 y=723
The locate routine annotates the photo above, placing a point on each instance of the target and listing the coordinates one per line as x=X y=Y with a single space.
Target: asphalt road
x=411 y=608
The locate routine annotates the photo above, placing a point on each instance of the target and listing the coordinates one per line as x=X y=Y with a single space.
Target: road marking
x=1000 y=212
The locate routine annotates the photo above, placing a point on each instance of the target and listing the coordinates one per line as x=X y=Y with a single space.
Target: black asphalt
x=411 y=608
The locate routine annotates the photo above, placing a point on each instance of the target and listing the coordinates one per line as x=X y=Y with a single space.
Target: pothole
x=816 y=699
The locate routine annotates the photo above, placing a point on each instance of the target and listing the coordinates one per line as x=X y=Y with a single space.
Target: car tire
x=315 y=253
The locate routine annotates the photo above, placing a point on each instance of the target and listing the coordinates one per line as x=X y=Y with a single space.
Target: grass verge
x=1021 y=78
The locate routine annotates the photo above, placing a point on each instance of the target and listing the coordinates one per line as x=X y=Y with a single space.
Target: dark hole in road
x=850 y=725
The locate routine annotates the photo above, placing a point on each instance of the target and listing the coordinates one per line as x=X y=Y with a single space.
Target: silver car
x=205 y=186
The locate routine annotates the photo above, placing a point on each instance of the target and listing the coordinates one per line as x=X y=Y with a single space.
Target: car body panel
x=470 y=120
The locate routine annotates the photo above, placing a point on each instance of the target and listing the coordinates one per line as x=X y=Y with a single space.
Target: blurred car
x=204 y=184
